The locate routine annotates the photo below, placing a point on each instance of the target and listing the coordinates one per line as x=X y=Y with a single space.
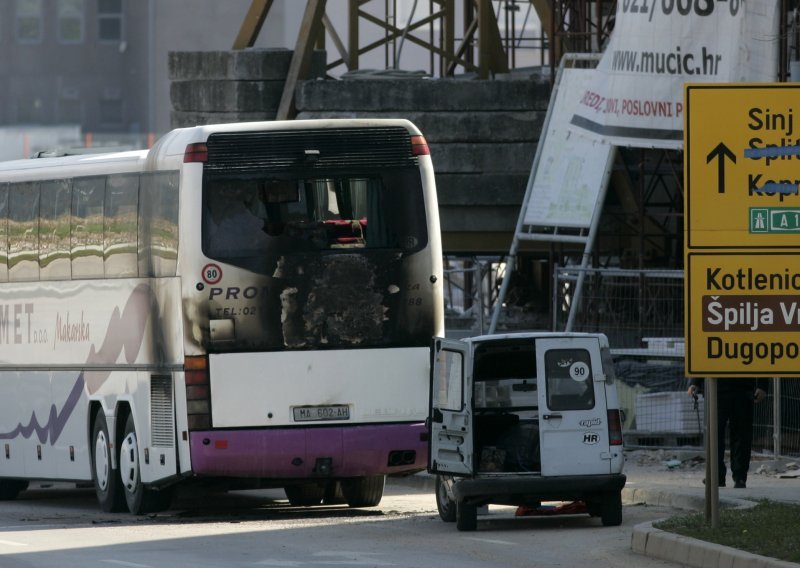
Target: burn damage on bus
x=323 y=248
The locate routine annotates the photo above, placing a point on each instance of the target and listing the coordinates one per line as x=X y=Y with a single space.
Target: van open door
x=573 y=420
x=450 y=416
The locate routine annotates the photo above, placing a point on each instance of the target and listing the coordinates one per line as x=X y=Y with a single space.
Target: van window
x=449 y=395
x=569 y=379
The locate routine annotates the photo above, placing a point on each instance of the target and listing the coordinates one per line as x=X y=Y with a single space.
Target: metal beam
x=251 y=26
x=310 y=27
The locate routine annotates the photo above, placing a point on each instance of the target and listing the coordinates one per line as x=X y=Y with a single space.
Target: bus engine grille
x=161 y=411
x=310 y=150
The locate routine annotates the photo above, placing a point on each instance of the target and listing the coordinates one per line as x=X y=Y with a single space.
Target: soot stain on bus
x=336 y=299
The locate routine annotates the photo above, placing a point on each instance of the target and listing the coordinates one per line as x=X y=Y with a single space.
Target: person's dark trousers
x=736 y=412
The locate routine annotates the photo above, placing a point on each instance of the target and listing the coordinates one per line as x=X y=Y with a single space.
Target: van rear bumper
x=532 y=488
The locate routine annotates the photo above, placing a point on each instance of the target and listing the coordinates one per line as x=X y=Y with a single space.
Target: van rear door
x=450 y=415
x=573 y=420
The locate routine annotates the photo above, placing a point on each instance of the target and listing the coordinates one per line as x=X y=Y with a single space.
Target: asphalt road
x=61 y=527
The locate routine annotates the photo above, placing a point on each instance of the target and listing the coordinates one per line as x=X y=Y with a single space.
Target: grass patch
x=768 y=529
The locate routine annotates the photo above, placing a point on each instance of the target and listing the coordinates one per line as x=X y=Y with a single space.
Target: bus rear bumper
x=333 y=452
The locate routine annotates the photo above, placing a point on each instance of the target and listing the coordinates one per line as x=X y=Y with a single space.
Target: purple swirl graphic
x=125 y=332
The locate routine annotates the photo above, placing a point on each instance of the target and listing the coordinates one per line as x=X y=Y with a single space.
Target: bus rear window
x=247 y=217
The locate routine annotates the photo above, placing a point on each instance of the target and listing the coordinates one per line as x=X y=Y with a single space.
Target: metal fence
x=641 y=312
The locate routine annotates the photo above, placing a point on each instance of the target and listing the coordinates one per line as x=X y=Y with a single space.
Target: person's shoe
x=739 y=484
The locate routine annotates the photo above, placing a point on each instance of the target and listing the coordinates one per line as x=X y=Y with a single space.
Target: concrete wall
x=482 y=134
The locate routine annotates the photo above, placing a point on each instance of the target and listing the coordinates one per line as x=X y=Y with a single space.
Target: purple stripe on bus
x=124 y=334
x=55 y=422
x=292 y=452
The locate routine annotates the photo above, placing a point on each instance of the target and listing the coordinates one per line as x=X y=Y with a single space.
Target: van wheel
x=140 y=499
x=594 y=506
x=107 y=484
x=305 y=495
x=611 y=509
x=363 y=491
x=10 y=488
x=466 y=516
x=445 y=505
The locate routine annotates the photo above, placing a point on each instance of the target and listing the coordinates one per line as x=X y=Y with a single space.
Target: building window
x=30 y=110
x=29 y=21
x=109 y=20
x=111 y=110
x=70 y=21
x=70 y=109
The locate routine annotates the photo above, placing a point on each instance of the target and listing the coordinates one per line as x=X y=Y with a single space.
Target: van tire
x=611 y=509
x=466 y=516
x=445 y=505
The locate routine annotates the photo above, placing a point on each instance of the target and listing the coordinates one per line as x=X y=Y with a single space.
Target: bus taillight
x=419 y=146
x=614 y=428
x=198 y=393
x=197 y=152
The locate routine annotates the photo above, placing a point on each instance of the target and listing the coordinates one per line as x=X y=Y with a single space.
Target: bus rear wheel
x=107 y=484
x=10 y=488
x=306 y=495
x=139 y=498
x=363 y=491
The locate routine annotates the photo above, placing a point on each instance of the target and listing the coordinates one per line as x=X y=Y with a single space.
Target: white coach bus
x=245 y=302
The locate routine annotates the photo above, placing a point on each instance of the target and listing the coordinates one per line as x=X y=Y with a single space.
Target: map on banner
x=635 y=97
x=570 y=174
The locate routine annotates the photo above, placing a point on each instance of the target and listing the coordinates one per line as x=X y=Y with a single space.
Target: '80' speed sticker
x=212 y=274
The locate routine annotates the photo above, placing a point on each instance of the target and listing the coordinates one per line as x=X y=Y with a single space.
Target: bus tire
x=445 y=505
x=611 y=509
x=10 y=488
x=363 y=491
x=333 y=494
x=466 y=516
x=139 y=498
x=305 y=495
x=107 y=484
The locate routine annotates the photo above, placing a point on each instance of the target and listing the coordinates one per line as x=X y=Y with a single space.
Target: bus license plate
x=311 y=413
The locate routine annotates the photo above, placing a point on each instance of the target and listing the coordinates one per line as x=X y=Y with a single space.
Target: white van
x=523 y=418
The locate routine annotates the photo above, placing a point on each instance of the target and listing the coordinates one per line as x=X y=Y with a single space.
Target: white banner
x=636 y=95
x=572 y=166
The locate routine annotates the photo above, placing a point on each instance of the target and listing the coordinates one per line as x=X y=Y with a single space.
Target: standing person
x=735 y=400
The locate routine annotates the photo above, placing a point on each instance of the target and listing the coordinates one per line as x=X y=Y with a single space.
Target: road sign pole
x=712 y=454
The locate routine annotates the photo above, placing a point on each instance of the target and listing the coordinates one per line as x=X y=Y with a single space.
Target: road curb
x=687 y=551
x=684 y=550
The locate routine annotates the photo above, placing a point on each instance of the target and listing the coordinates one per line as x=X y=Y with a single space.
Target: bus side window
x=86 y=230
x=54 y=212
x=23 y=231
x=158 y=224
x=4 y=232
x=120 y=221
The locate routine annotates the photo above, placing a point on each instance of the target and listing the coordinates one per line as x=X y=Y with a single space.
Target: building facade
x=102 y=64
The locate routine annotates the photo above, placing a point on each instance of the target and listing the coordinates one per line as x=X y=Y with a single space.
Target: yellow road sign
x=742 y=166
x=742 y=314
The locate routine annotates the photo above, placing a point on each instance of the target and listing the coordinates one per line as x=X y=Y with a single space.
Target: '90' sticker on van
x=579 y=371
